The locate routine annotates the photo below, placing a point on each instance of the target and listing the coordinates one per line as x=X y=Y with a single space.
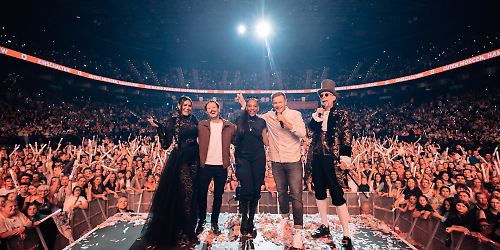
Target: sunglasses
x=325 y=94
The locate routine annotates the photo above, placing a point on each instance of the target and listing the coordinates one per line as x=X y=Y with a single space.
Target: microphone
x=281 y=122
x=323 y=106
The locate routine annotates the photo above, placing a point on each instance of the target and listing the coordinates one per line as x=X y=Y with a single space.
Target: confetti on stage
x=274 y=232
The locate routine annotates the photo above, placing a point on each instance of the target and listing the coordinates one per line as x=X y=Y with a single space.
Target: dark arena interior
x=99 y=148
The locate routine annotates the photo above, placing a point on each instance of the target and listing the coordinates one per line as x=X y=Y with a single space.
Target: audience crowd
x=460 y=187
x=438 y=159
x=470 y=119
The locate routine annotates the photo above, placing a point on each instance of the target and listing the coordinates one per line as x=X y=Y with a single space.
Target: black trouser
x=250 y=174
x=324 y=177
x=205 y=175
x=250 y=171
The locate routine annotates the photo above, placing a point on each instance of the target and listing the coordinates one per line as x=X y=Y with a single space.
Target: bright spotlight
x=242 y=29
x=263 y=29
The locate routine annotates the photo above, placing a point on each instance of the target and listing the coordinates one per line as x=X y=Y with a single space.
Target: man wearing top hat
x=328 y=159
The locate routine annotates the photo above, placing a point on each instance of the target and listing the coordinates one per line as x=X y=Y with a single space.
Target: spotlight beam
x=263 y=29
x=242 y=29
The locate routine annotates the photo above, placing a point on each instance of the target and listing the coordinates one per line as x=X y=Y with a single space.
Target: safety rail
x=427 y=234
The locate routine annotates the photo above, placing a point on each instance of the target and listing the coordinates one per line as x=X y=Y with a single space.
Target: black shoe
x=251 y=246
x=252 y=208
x=193 y=239
x=346 y=243
x=332 y=245
x=322 y=231
x=244 y=229
x=215 y=229
x=200 y=227
x=244 y=225
x=184 y=241
x=252 y=232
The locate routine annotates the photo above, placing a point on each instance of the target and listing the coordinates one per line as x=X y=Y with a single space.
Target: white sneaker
x=284 y=222
x=297 y=239
x=285 y=217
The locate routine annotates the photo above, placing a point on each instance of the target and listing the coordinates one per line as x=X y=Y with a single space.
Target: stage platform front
x=122 y=231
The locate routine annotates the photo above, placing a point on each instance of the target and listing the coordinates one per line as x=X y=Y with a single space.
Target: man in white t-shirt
x=215 y=136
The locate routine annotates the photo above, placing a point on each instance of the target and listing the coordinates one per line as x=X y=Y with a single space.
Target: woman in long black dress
x=251 y=136
x=172 y=217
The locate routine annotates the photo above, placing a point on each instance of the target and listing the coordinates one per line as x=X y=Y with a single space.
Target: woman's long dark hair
x=179 y=112
x=442 y=208
x=181 y=102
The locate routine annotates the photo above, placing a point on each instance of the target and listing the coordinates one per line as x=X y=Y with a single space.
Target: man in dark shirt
x=122 y=205
x=23 y=193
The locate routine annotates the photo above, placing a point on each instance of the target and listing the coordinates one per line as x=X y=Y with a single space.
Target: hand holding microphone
x=280 y=117
x=153 y=122
x=321 y=110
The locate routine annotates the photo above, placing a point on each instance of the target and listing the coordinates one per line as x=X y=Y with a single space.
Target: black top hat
x=327 y=85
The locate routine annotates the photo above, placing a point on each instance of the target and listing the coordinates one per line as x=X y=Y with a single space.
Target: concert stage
x=121 y=231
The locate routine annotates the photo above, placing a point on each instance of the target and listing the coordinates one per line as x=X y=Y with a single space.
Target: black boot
x=215 y=228
x=251 y=214
x=322 y=231
x=244 y=217
x=346 y=243
x=200 y=227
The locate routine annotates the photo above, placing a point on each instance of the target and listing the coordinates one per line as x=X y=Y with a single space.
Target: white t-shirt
x=70 y=201
x=214 y=154
x=16 y=221
x=4 y=191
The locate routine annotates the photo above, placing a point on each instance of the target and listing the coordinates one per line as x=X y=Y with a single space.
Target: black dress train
x=173 y=210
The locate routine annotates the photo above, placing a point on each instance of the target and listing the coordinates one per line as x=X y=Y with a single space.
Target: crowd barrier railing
x=426 y=234
x=32 y=241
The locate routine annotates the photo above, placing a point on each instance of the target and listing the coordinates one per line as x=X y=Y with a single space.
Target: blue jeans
x=289 y=175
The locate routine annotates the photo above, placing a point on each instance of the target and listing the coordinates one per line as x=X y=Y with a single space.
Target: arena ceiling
x=201 y=33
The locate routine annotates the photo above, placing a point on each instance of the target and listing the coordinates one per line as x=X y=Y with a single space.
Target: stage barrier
x=32 y=59
x=427 y=234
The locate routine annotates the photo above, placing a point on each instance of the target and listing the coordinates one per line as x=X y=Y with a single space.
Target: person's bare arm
x=425 y=215
x=89 y=193
x=15 y=232
x=84 y=204
x=455 y=228
x=265 y=138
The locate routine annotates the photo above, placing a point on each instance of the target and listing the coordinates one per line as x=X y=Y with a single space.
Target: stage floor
x=274 y=232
